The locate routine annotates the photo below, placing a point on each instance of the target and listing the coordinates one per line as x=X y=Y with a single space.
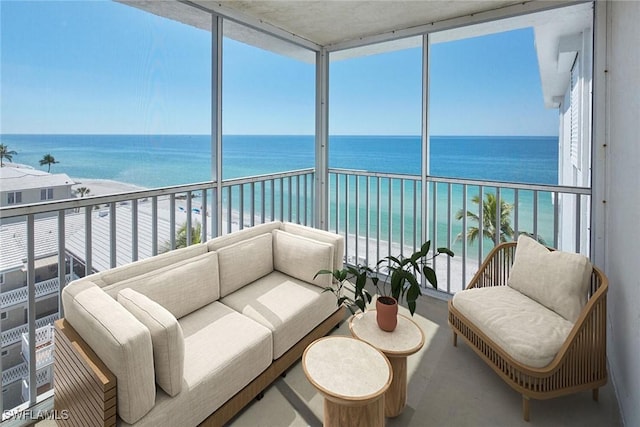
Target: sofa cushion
x=119 y=340
x=180 y=288
x=240 y=235
x=302 y=258
x=527 y=331
x=320 y=235
x=166 y=338
x=557 y=280
x=137 y=268
x=244 y=262
x=224 y=351
x=289 y=307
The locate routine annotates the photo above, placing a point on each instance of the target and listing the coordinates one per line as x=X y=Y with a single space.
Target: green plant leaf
x=323 y=272
x=446 y=251
x=412 y=307
x=360 y=304
x=431 y=276
x=424 y=249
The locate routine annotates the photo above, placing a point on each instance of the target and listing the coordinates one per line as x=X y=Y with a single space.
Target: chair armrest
x=494 y=271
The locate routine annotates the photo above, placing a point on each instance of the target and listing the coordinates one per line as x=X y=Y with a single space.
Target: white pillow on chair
x=557 y=280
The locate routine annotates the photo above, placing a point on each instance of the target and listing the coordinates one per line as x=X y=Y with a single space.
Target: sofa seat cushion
x=224 y=351
x=166 y=338
x=181 y=288
x=526 y=330
x=289 y=307
x=558 y=280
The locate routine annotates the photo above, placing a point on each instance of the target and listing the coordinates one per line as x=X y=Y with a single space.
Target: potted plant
x=402 y=281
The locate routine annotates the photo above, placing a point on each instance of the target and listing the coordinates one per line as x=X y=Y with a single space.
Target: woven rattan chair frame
x=579 y=365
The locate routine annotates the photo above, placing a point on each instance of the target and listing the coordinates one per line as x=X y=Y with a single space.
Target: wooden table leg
x=396 y=396
x=348 y=415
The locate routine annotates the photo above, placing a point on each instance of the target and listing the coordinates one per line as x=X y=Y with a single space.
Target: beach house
x=590 y=70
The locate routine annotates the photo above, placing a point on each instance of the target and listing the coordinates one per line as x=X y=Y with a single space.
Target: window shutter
x=576 y=146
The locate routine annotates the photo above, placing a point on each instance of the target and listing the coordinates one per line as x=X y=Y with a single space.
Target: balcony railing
x=43 y=289
x=379 y=214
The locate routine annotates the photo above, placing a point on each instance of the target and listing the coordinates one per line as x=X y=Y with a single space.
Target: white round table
x=405 y=340
x=353 y=378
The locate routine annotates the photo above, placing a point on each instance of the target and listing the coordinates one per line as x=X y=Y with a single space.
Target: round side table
x=405 y=340
x=353 y=378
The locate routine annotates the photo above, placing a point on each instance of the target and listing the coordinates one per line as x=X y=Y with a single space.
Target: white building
x=22 y=185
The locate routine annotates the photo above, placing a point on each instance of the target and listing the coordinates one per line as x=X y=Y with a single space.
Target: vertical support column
x=321 y=205
x=599 y=136
x=62 y=264
x=31 y=308
x=216 y=124
x=425 y=139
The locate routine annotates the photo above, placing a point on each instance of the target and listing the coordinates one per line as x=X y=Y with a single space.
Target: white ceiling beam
x=256 y=24
x=448 y=24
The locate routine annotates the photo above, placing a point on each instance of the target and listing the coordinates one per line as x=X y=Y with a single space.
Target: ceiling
x=330 y=22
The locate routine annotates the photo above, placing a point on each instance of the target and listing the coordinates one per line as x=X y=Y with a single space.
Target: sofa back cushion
x=244 y=234
x=244 y=262
x=302 y=258
x=320 y=235
x=119 y=340
x=180 y=288
x=557 y=280
x=166 y=338
x=148 y=265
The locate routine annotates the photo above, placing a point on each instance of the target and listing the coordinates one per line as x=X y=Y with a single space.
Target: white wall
x=623 y=204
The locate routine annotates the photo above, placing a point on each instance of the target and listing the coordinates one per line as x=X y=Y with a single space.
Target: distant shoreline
x=103 y=187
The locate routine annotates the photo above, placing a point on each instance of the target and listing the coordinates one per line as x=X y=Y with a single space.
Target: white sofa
x=185 y=331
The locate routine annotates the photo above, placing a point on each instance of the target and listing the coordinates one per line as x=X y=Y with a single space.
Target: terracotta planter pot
x=387 y=313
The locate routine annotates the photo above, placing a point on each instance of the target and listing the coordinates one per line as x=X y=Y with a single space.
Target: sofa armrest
x=119 y=340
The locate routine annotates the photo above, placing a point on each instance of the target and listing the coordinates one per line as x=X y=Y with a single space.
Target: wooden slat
x=85 y=388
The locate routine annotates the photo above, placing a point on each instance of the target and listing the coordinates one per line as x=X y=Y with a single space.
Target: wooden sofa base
x=86 y=388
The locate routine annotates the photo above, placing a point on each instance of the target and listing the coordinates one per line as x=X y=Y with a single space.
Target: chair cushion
x=527 y=331
x=119 y=340
x=180 y=288
x=166 y=338
x=244 y=262
x=557 y=280
x=289 y=307
x=302 y=258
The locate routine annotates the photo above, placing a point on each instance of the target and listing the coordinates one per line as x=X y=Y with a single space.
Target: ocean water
x=164 y=160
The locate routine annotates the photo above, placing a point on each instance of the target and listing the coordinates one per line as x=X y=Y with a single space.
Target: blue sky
x=103 y=67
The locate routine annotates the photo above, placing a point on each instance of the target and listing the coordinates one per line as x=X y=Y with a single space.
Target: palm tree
x=48 y=160
x=489 y=226
x=5 y=153
x=181 y=235
x=83 y=191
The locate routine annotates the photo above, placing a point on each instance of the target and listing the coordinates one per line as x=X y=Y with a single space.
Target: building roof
x=21 y=178
x=13 y=238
